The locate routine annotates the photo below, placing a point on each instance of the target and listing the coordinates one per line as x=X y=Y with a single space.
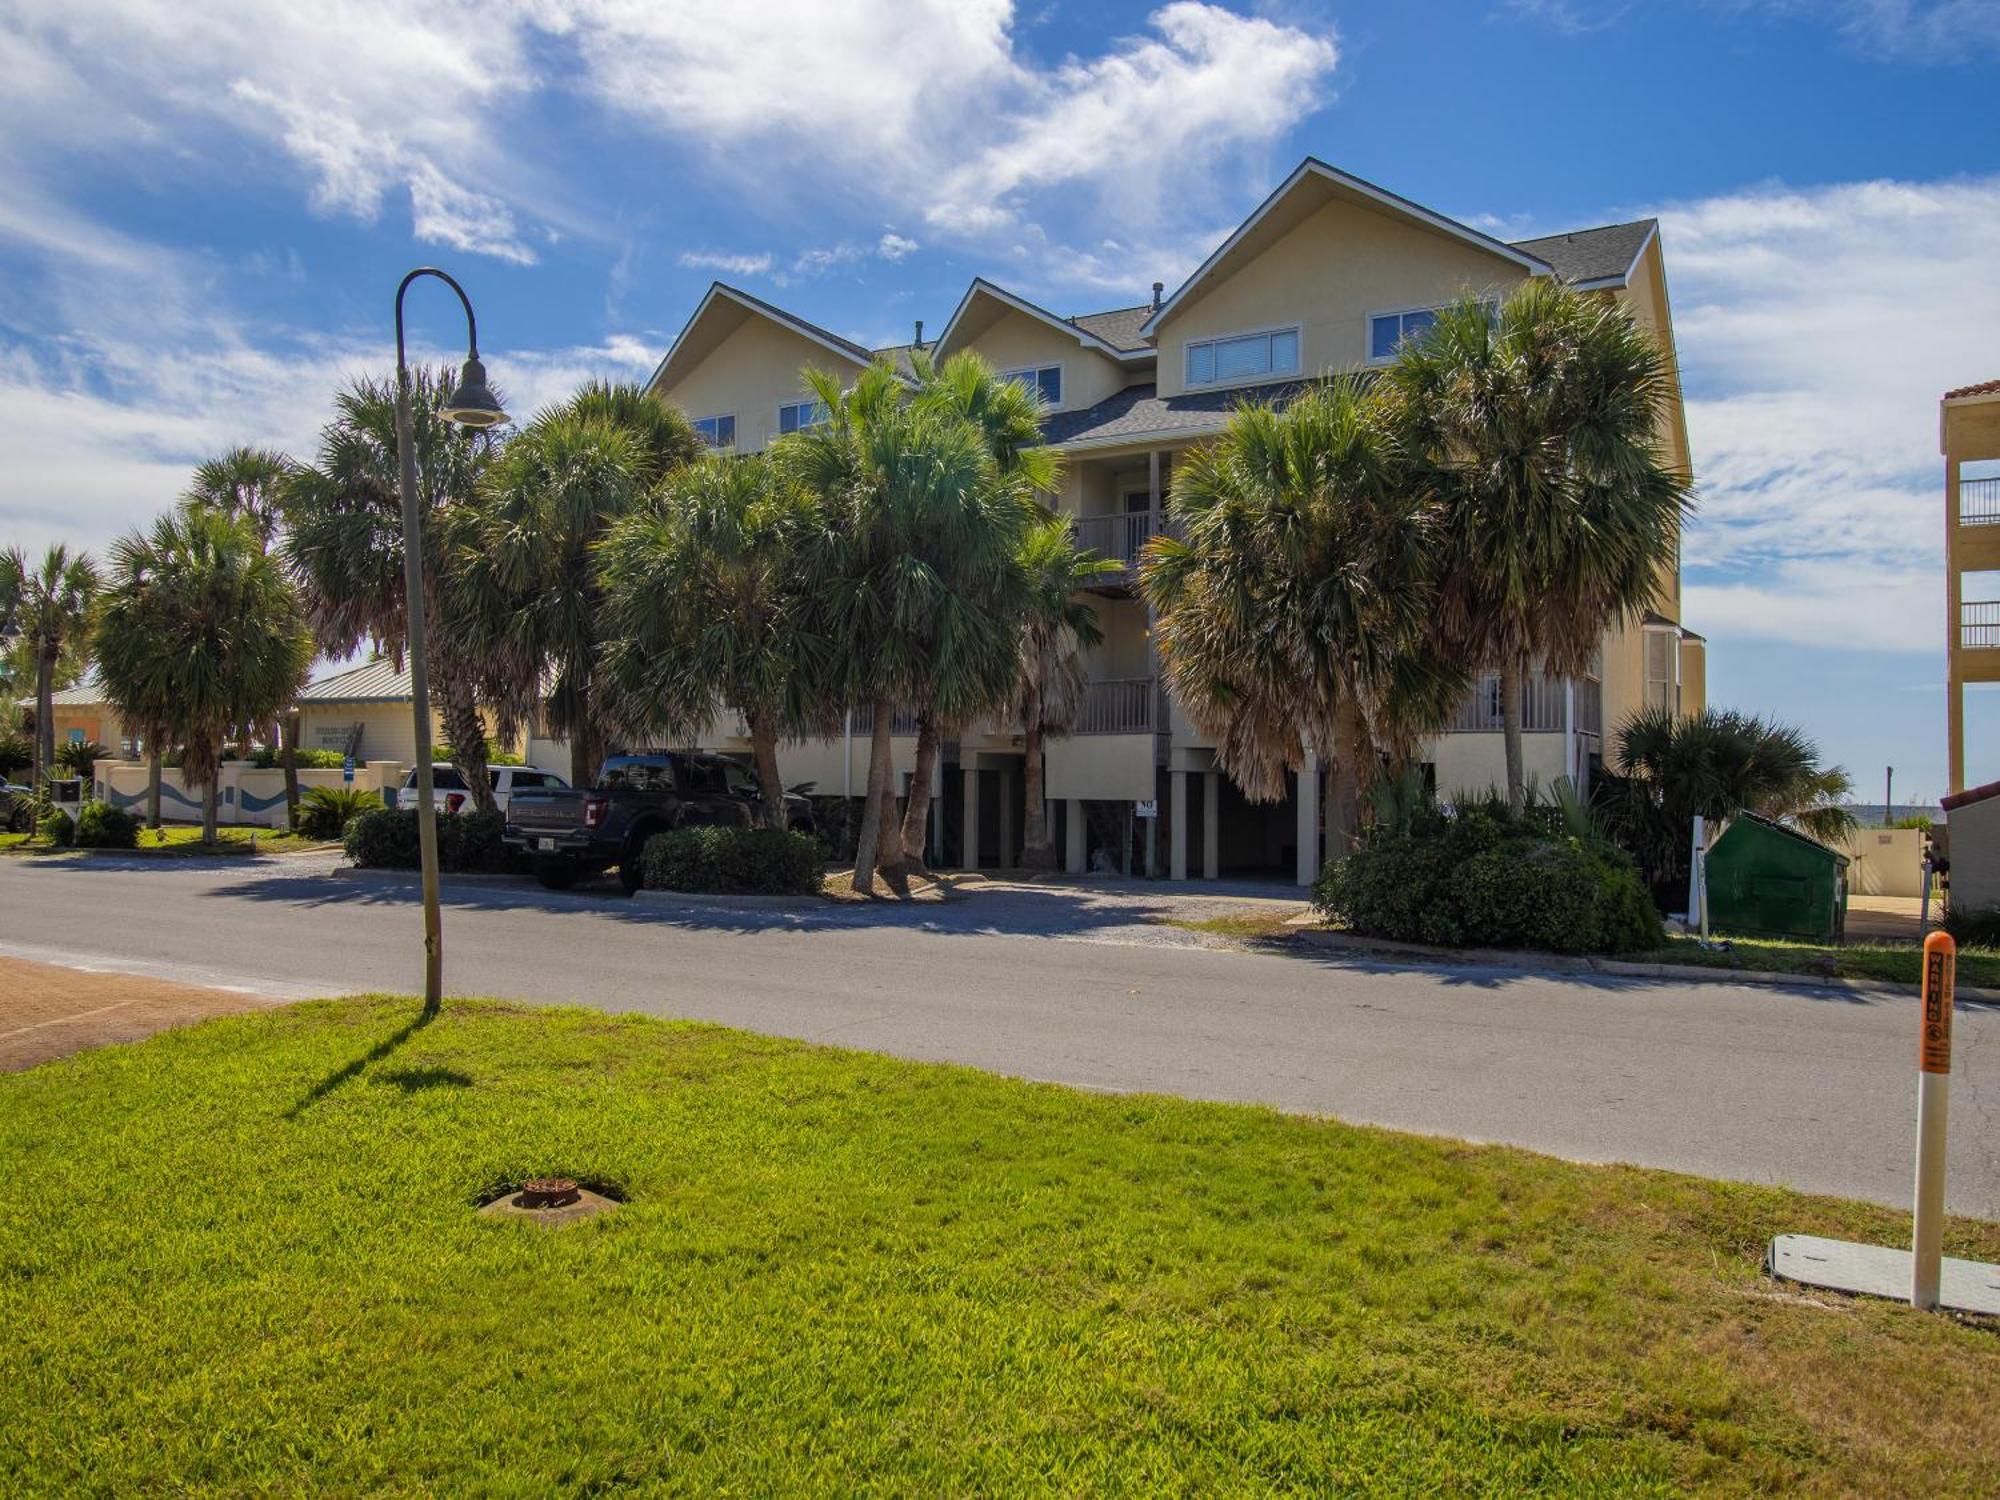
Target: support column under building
x=1075 y=845
x=1177 y=865
x=1309 y=779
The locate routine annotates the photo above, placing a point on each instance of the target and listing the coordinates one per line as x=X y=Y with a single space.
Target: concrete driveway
x=1809 y=1087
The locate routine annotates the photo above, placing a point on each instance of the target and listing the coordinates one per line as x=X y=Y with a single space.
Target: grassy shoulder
x=1893 y=963
x=184 y=840
x=243 y=1257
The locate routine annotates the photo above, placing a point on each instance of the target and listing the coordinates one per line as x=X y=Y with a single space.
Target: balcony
x=1979 y=625
x=903 y=725
x=1979 y=502
x=1121 y=538
x=1119 y=705
x=1542 y=704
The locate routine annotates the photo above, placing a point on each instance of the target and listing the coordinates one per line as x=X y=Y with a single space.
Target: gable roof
x=1089 y=337
x=721 y=291
x=1119 y=327
x=1600 y=257
x=1313 y=169
x=1965 y=392
x=378 y=681
x=1140 y=411
x=1970 y=795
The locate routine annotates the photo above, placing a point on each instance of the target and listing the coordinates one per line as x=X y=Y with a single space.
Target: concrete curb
x=1558 y=963
x=756 y=903
x=412 y=877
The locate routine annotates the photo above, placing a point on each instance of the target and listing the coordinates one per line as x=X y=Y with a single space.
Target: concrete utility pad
x=1881 y=1271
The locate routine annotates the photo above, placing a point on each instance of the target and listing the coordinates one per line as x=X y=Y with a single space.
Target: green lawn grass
x=176 y=839
x=1895 y=963
x=242 y=1258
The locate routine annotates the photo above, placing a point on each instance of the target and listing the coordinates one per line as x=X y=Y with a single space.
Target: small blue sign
x=347 y=768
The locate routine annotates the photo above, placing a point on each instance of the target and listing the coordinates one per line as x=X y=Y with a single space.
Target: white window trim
x=720 y=416
x=1062 y=378
x=1368 y=357
x=1297 y=330
x=778 y=416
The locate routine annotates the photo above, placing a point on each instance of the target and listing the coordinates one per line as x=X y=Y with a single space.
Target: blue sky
x=204 y=210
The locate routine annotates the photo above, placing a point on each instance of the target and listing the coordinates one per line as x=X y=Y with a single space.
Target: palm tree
x=524 y=600
x=1539 y=427
x=1056 y=629
x=1295 y=605
x=343 y=541
x=1673 y=768
x=709 y=602
x=203 y=633
x=963 y=683
x=51 y=609
x=919 y=532
x=249 y=485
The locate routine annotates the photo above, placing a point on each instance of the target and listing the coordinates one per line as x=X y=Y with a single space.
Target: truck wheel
x=555 y=874
x=630 y=876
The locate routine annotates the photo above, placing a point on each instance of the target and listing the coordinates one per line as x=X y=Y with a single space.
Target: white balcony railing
x=1120 y=537
x=1979 y=625
x=1542 y=703
x=1979 y=502
x=1119 y=705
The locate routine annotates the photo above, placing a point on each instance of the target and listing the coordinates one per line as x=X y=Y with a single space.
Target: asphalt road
x=1813 y=1088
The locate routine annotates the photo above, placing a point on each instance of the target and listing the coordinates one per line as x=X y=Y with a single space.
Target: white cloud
x=1817 y=329
x=735 y=265
x=893 y=247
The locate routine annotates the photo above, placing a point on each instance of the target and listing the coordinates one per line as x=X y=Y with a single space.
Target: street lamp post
x=471 y=405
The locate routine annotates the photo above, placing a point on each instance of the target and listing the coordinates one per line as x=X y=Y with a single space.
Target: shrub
x=325 y=811
x=732 y=861
x=269 y=758
x=1974 y=926
x=104 y=825
x=386 y=838
x=56 y=827
x=16 y=755
x=1481 y=878
x=441 y=756
x=79 y=757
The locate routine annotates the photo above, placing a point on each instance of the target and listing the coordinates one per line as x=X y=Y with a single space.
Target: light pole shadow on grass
x=342 y=1076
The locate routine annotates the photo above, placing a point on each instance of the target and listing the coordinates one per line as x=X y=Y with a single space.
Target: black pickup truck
x=572 y=832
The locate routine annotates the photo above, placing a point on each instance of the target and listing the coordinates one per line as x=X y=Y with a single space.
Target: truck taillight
x=593 y=811
x=453 y=801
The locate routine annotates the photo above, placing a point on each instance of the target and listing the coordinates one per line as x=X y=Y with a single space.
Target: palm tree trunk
x=1038 y=852
x=209 y=795
x=1353 y=769
x=869 y=839
x=584 y=755
x=154 y=754
x=45 y=717
x=288 y=737
x=764 y=751
x=916 y=815
x=467 y=736
x=1512 y=679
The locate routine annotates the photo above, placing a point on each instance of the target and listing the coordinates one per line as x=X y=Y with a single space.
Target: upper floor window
x=1045 y=381
x=1250 y=356
x=797 y=416
x=1387 y=330
x=717 y=432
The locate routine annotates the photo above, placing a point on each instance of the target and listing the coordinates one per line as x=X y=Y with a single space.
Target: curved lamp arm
x=471 y=323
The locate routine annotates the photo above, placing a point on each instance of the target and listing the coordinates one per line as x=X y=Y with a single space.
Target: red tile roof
x=1970 y=795
x=1984 y=388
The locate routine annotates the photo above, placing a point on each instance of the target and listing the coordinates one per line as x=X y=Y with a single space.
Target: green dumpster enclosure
x=1767 y=880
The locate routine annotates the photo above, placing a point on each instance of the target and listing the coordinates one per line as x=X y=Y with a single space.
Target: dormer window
x=1044 y=380
x=716 y=432
x=1244 y=357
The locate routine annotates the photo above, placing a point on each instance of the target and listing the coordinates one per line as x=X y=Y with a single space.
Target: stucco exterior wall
x=1975 y=853
x=1469 y=764
x=754 y=370
x=1886 y=861
x=1107 y=767
x=1328 y=275
x=1016 y=341
x=245 y=795
x=387 y=729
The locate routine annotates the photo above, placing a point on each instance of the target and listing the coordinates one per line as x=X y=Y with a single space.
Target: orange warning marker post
x=1922 y=1273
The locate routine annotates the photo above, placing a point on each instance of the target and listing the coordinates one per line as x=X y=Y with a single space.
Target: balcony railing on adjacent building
x=903 y=724
x=1979 y=625
x=1542 y=704
x=1119 y=705
x=1979 y=502
x=1121 y=537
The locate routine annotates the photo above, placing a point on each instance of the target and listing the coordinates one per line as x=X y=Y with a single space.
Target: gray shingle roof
x=1591 y=254
x=1119 y=328
x=1139 y=411
x=373 y=682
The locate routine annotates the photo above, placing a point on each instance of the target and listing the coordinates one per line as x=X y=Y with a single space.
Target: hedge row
x=732 y=861
x=386 y=839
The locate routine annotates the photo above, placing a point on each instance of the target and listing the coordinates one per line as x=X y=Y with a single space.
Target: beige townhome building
x=1328 y=274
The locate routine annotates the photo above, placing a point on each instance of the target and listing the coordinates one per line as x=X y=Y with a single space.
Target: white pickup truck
x=448 y=786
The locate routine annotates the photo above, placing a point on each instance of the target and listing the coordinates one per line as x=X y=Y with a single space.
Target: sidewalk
x=51 y=1012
